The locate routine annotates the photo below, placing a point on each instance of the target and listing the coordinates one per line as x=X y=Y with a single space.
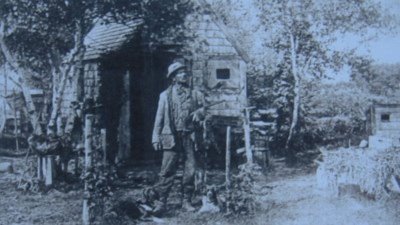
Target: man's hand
x=157 y=146
x=198 y=115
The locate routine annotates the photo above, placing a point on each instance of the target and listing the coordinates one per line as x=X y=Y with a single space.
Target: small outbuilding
x=124 y=76
x=385 y=126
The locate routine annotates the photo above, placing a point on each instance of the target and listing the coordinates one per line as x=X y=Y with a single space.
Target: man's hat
x=174 y=67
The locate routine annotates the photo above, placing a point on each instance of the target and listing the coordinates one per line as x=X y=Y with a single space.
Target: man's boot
x=187 y=206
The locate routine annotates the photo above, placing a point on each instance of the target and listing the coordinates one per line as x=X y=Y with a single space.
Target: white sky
x=385 y=49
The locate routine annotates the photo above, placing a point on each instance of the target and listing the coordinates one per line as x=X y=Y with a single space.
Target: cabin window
x=385 y=117
x=223 y=74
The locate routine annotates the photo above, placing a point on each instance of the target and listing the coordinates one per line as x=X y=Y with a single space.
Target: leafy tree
x=379 y=80
x=301 y=32
x=58 y=29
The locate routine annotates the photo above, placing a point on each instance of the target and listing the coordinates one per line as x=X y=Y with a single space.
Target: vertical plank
x=103 y=133
x=88 y=141
x=246 y=127
x=243 y=83
x=228 y=158
x=43 y=159
x=39 y=168
x=49 y=170
x=88 y=164
x=228 y=166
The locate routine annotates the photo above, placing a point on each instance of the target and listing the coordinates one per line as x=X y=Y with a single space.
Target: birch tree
x=301 y=32
x=43 y=40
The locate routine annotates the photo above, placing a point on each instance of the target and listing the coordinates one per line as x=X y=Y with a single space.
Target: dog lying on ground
x=210 y=203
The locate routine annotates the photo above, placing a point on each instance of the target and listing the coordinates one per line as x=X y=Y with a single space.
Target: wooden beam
x=88 y=165
x=49 y=176
x=246 y=127
x=103 y=133
x=228 y=158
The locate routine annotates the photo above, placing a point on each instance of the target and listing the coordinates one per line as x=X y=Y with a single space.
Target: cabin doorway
x=146 y=86
x=130 y=90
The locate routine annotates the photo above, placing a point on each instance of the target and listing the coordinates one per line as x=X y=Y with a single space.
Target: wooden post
x=88 y=141
x=246 y=127
x=39 y=168
x=43 y=164
x=228 y=159
x=16 y=124
x=88 y=165
x=228 y=166
x=49 y=165
x=104 y=145
x=5 y=96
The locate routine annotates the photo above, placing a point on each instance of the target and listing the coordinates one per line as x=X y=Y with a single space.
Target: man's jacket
x=164 y=131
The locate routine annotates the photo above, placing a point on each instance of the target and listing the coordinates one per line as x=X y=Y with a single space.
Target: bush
x=368 y=168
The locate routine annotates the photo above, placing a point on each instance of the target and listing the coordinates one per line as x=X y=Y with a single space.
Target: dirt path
x=299 y=201
x=292 y=200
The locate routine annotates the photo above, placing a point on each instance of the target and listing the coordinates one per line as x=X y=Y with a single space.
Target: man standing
x=179 y=108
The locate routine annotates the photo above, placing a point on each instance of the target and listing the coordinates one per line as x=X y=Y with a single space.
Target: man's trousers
x=170 y=163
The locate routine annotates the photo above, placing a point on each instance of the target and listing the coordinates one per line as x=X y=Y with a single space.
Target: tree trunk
x=76 y=52
x=88 y=166
x=21 y=77
x=296 y=104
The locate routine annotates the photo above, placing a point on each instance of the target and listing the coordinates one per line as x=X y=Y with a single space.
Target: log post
x=39 y=168
x=17 y=117
x=246 y=127
x=88 y=165
x=43 y=164
x=49 y=165
x=104 y=145
x=228 y=166
x=228 y=158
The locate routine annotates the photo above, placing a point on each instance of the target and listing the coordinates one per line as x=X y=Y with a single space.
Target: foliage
x=290 y=44
x=379 y=81
x=58 y=29
x=369 y=168
x=98 y=180
x=301 y=32
x=241 y=197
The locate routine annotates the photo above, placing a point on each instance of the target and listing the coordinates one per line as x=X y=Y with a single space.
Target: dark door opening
x=147 y=79
x=111 y=99
x=146 y=85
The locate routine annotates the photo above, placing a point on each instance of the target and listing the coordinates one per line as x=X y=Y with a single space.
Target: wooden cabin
x=125 y=77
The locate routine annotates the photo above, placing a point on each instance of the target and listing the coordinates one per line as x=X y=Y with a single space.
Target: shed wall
x=390 y=127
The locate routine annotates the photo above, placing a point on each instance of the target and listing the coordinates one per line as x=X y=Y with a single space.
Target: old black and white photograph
x=218 y=112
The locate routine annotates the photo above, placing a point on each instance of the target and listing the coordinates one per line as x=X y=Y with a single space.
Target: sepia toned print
x=199 y=112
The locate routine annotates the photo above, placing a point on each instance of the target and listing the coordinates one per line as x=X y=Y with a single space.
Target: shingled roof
x=108 y=37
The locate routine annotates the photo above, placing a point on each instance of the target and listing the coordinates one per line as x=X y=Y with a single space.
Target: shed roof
x=383 y=105
x=108 y=37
